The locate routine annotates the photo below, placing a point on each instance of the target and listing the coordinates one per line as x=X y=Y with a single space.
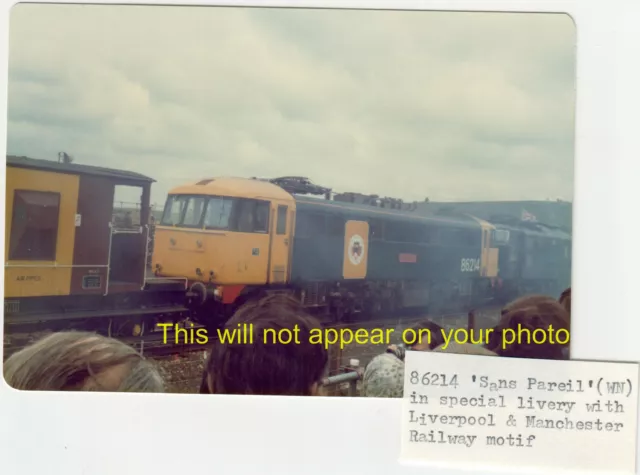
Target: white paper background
x=168 y=434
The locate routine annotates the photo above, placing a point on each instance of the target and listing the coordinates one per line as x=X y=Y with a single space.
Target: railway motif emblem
x=356 y=249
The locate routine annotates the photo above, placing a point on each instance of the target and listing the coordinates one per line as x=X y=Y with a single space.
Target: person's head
x=514 y=335
x=81 y=361
x=384 y=377
x=524 y=301
x=425 y=341
x=464 y=349
x=264 y=367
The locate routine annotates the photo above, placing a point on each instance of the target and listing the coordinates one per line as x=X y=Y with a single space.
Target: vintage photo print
x=282 y=201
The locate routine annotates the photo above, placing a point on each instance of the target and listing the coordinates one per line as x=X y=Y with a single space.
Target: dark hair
x=437 y=338
x=264 y=367
x=530 y=313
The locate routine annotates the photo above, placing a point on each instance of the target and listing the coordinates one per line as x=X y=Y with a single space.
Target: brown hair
x=81 y=361
x=437 y=338
x=525 y=301
x=264 y=367
x=530 y=313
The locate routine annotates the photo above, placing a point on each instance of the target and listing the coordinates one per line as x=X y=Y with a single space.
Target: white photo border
x=167 y=434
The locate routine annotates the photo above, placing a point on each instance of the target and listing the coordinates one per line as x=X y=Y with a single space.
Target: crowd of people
x=81 y=361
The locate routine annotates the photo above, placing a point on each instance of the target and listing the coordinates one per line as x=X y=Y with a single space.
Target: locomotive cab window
x=173 y=210
x=34 y=226
x=217 y=213
x=250 y=216
x=193 y=212
x=500 y=236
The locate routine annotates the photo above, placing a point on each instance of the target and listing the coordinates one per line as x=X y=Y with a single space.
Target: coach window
x=281 y=227
x=34 y=226
x=217 y=213
x=193 y=212
x=173 y=210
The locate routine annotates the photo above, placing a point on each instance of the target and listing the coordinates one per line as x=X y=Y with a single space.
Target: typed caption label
x=465 y=410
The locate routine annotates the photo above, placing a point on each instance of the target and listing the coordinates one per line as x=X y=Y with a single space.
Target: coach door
x=280 y=243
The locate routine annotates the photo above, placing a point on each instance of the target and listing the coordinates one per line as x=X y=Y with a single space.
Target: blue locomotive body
x=410 y=260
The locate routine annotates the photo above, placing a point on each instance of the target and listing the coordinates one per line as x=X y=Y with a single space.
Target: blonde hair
x=464 y=349
x=81 y=361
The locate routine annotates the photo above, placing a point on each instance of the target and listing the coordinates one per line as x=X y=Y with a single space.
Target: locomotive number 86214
x=469 y=265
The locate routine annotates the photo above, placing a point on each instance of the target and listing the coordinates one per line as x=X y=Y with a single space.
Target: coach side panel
x=40 y=224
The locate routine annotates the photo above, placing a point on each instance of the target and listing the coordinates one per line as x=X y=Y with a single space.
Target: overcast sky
x=453 y=106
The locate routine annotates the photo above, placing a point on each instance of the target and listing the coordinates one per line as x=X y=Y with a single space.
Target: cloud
x=453 y=106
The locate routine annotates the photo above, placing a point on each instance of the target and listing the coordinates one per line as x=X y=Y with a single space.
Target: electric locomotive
x=234 y=239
